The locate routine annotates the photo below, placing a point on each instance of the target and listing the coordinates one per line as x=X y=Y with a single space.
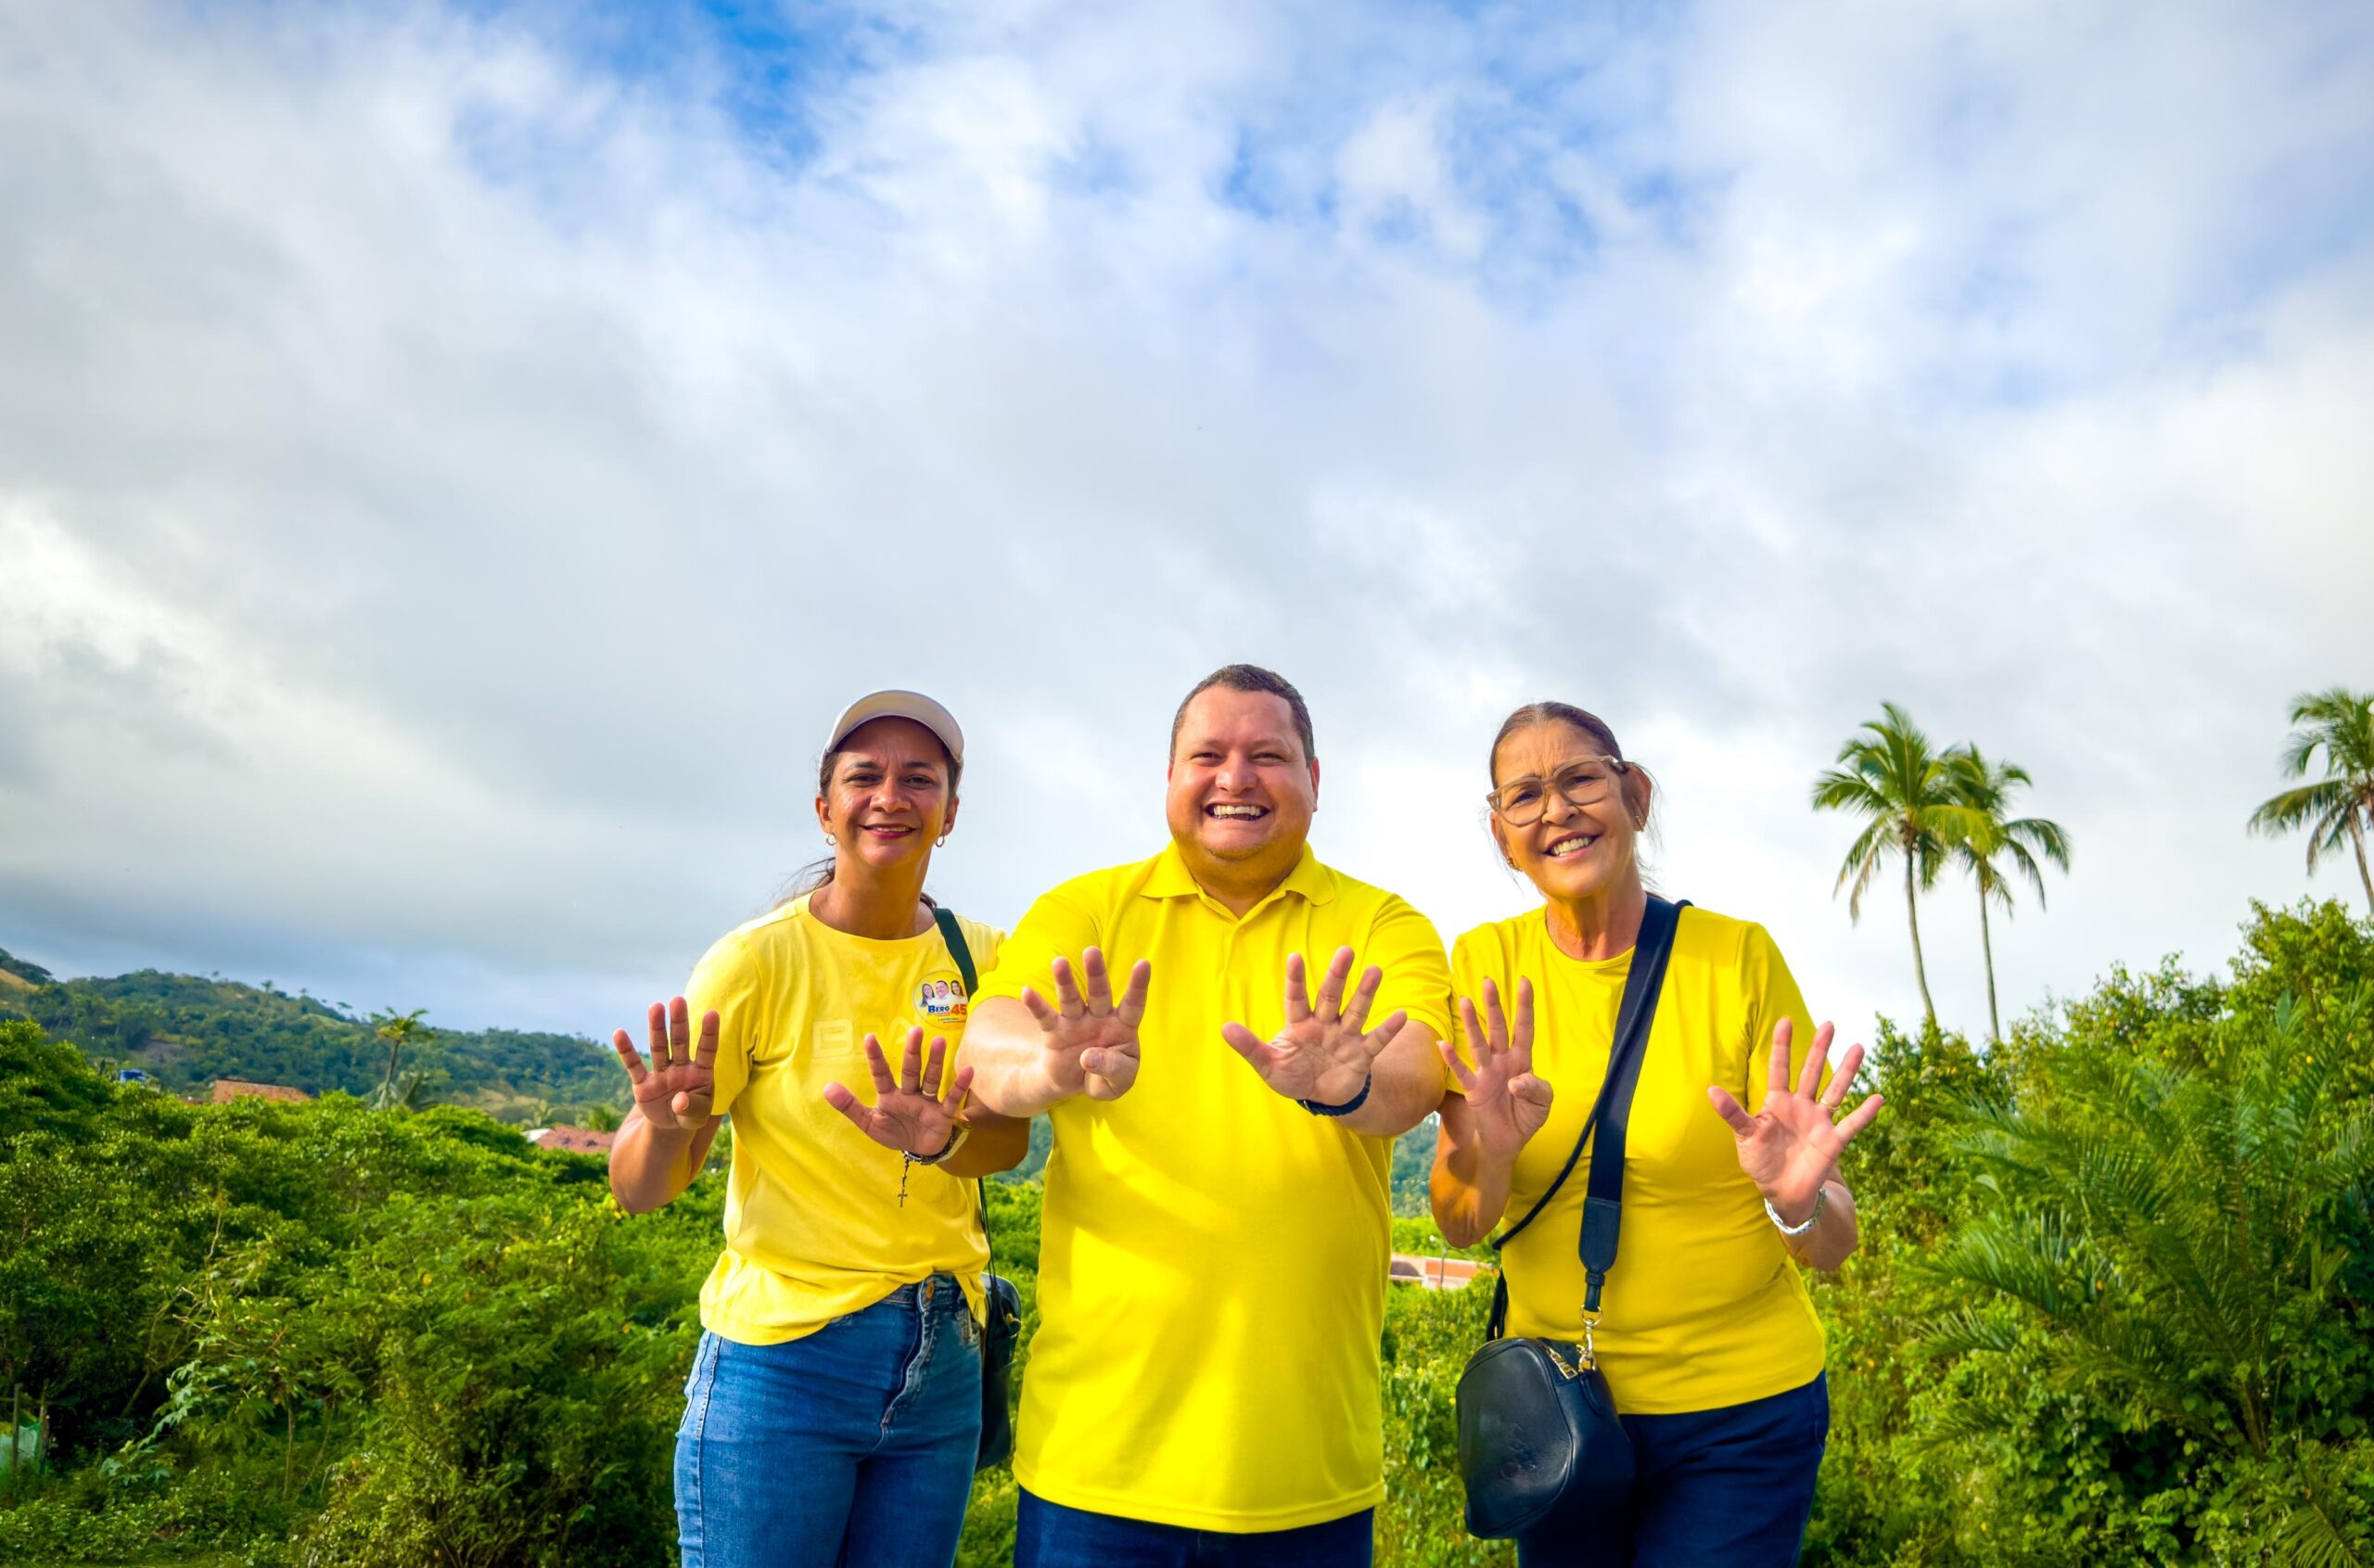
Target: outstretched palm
x=1321 y=1054
x=677 y=1091
x=1091 y=1041
x=1507 y=1103
x=1791 y=1146
x=907 y=1113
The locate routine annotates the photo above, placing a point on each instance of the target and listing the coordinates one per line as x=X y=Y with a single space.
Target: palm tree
x=399 y=1029
x=1891 y=774
x=2340 y=723
x=1987 y=842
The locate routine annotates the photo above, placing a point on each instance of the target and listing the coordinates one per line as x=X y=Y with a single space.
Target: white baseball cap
x=895 y=704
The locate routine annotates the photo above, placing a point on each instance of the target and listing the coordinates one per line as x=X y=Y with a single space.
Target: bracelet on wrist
x=1821 y=1196
x=956 y=1140
x=1347 y=1107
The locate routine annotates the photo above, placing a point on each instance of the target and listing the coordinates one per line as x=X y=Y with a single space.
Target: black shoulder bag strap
x=1604 y=1201
x=953 y=935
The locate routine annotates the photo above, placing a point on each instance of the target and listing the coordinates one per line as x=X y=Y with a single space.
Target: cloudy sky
x=454 y=460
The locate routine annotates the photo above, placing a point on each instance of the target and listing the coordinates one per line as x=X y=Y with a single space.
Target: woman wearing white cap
x=834 y=1411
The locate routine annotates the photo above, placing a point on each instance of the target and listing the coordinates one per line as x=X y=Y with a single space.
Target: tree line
x=2115 y=1305
x=1927 y=808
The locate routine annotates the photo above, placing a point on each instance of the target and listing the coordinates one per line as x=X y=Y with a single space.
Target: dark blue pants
x=1731 y=1487
x=1050 y=1536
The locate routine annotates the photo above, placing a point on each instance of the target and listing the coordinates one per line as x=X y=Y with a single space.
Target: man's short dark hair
x=1250 y=677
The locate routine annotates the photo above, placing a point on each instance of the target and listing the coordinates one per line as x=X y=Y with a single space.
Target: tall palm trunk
x=1912 y=913
x=2357 y=842
x=1986 y=940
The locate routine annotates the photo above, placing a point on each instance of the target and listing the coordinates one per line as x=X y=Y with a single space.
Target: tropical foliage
x=2340 y=808
x=187 y=1030
x=1904 y=789
x=2115 y=1305
x=1995 y=846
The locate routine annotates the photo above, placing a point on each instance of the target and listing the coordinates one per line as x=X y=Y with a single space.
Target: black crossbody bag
x=998 y=1295
x=1538 y=1429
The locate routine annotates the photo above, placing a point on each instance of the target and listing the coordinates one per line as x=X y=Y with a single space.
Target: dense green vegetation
x=2115 y=1304
x=186 y=1031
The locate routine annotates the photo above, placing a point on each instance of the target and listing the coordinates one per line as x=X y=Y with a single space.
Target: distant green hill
x=186 y=1031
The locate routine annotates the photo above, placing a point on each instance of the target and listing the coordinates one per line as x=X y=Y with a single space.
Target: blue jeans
x=1050 y=1536
x=1732 y=1486
x=854 y=1445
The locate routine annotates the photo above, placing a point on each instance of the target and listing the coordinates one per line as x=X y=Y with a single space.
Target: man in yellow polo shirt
x=1204 y=1383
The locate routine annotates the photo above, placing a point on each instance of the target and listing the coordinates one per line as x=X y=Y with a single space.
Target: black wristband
x=1347 y=1107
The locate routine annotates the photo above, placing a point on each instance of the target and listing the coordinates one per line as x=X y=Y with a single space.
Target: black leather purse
x=1003 y=1302
x=1538 y=1428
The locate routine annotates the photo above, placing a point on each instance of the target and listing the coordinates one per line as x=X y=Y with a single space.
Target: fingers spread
x=657 y=1037
x=680 y=1032
x=627 y=1056
x=1742 y=1124
x=957 y=1088
x=1246 y=1043
x=911 y=1062
x=933 y=1065
x=1843 y=1080
x=1298 y=991
x=1860 y=1118
x=707 y=1055
x=1497 y=1020
x=883 y=1083
x=1067 y=989
x=1357 y=1013
x=1134 y=1001
x=1476 y=1039
x=1382 y=1036
x=1331 y=985
x=1457 y=1069
x=1810 y=1077
x=1522 y=1043
x=1100 y=984
x=1776 y=1080
x=1041 y=1011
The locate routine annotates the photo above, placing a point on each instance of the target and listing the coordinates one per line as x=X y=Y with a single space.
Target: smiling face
x=1242 y=790
x=888 y=797
x=1574 y=852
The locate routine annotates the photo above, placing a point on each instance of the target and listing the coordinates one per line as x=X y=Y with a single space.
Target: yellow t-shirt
x=1212 y=1261
x=1703 y=1308
x=813 y=1226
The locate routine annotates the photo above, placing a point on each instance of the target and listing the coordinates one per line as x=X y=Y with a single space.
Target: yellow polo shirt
x=1212 y=1256
x=1703 y=1308
x=814 y=1227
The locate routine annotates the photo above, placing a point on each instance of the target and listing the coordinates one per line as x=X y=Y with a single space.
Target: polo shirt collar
x=1171 y=879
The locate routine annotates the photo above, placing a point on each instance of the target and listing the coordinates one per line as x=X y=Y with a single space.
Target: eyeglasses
x=1520 y=802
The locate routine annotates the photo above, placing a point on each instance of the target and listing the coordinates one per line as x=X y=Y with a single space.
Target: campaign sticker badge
x=944 y=1002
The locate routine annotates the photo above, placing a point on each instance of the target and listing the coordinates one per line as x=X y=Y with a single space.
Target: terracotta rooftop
x=576 y=1139
x=1435 y=1273
x=228 y=1089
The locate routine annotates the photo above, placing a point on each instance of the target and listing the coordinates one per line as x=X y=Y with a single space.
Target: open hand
x=1507 y=1103
x=675 y=1094
x=907 y=1113
x=1091 y=1042
x=1791 y=1146
x=1321 y=1055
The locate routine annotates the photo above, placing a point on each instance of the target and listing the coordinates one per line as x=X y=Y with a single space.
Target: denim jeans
x=851 y=1445
x=1732 y=1486
x=1050 y=1536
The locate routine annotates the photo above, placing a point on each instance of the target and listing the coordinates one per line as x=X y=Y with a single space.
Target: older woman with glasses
x=1705 y=1332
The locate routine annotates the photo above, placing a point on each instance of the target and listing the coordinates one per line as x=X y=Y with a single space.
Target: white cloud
x=444 y=484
